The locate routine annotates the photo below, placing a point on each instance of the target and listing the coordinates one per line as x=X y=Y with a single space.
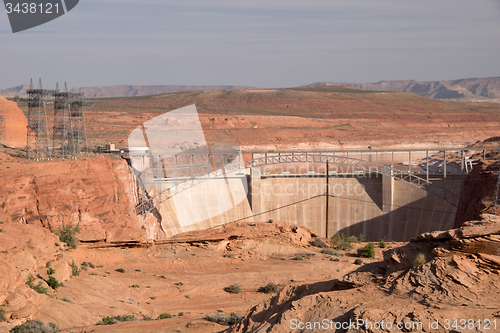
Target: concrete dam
x=373 y=204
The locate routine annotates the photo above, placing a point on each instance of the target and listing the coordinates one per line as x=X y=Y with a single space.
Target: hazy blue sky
x=265 y=43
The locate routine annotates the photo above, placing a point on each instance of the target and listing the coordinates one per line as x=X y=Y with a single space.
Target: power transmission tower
x=37 y=143
x=77 y=119
x=62 y=131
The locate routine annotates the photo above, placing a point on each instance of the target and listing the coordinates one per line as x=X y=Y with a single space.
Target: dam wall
x=376 y=206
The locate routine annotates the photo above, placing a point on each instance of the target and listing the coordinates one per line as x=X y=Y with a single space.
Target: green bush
x=116 y=319
x=341 y=242
x=381 y=242
x=75 y=271
x=358 y=262
x=39 y=288
x=419 y=260
x=50 y=271
x=35 y=326
x=334 y=259
x=368 y=251
x=53 y=283
x=67 y=234
x=317 y=242
x=298 y=257
x=361 y=237
x=2 y=314
x=222 y=319
x=270 y=288
x=164 y=315
x=120 y=270
x=233 y=289
x=134 y=286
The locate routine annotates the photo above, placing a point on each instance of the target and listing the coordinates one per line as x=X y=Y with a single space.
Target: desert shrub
x=137 y=270
x=75 y=271
x=233 y=289
x=381 y=242
x=222 y=319
x=367 y=251
x=134 y=286
x=67 y=234
x=298 y=257
x=270 y=288
x=116 y=319
x=361 y=237
x=341 y=242
x=331 y=252
x=35 y=326
x=358 y=261
x=2 y=314
x=180 y=314
x=334 y=259
x=228 y=255
x=317 y=242
x=164 y=315
x=66 y=299
x=162 y=277
x=53 y=283
x=270 y=220
x=180 y=283
x=39 y=288
x=121 y=270
x=419 y=260
x=50 y=271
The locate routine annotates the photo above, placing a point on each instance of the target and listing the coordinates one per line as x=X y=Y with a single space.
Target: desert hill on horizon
x=125 y=90
x=487 y=88
x=472 y=88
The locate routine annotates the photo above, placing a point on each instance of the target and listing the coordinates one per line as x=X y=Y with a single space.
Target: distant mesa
x=125 y=90
x=476 y=88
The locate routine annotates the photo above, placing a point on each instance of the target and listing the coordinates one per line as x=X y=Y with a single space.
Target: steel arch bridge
x=235 y=167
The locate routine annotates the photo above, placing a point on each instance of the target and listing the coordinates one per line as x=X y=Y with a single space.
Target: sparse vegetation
x=358 y=261
x=120 y=270
x=419 y=260
x=35 y=326
x=180 y=283
x=162 y=277
x=361 y=237
x=368 y=251
x=2 y=314
x=331 y=252
x=134 y=286
x=66 y=299
x=75 y=271
x=270 y=288
x=116 y=319
x=233 y=289
x=298 y=257
x=270 y=220
x=39 y=288
x=164 y=315
x=50 y=271
x=334 y=259
x=222 y=319
x=381 y=242
x=341 y=242
x=137 y=270
x=53 y=283
x=67 y=234
x=317 y=242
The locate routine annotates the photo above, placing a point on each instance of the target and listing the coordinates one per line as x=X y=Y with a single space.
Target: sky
x=262 y=43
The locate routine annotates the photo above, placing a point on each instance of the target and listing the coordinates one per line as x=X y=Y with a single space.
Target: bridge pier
x=387 y=189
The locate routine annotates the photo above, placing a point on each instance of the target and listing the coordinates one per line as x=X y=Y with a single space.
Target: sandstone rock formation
x=15 y=123
x=457 y=280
